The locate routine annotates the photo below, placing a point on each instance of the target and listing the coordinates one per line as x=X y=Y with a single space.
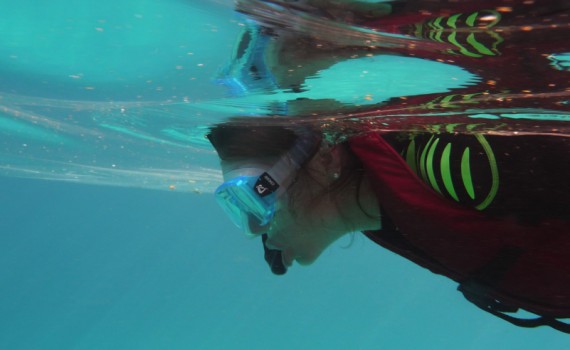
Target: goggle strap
x=281 y=171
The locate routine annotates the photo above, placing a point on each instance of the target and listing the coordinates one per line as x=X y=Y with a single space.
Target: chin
x=307 y=259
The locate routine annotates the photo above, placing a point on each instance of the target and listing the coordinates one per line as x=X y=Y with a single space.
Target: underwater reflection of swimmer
x=511 y=47
x=490 y=212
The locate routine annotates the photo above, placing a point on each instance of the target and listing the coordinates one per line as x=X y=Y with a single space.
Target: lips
x=274 y=258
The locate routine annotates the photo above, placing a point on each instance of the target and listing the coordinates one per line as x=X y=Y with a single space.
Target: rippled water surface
x=122 y=93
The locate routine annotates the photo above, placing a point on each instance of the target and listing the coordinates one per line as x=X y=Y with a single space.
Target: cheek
x=296 y=227
x=291 y=234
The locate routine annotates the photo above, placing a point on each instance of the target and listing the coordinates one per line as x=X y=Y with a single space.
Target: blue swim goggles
x=248 y=70
x=250 y=195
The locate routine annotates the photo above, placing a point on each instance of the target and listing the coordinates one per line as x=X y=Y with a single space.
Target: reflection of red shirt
x=510 y=54
x=461 y=241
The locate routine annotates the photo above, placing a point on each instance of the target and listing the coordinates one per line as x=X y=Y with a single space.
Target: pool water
x=110 y=237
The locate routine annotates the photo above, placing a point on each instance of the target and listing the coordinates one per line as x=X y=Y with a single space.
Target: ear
x=330 y=158
x=336 y=160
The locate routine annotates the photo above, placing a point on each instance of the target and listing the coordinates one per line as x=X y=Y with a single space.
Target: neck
x=359 y=206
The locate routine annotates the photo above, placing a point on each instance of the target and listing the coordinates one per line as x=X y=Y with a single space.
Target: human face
x=312 y=216
x=309 y=219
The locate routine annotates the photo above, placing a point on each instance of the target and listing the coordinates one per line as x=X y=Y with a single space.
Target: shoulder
x=501 y=175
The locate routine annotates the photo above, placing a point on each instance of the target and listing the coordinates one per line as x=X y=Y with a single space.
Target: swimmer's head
x=321 y=202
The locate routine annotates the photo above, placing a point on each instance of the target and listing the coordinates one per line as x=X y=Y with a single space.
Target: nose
x=274 y=258
x=254 y=227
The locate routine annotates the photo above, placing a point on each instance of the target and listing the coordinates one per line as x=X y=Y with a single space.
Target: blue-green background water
x=89 y=267
x=98 y=94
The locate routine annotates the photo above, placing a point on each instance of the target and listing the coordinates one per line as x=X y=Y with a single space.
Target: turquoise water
x=128 y=250
x=88 y=267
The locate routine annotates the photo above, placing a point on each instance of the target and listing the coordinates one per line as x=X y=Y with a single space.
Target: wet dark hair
x=236 y=141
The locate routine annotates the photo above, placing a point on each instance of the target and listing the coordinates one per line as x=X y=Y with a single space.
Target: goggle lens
x=244 y=206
